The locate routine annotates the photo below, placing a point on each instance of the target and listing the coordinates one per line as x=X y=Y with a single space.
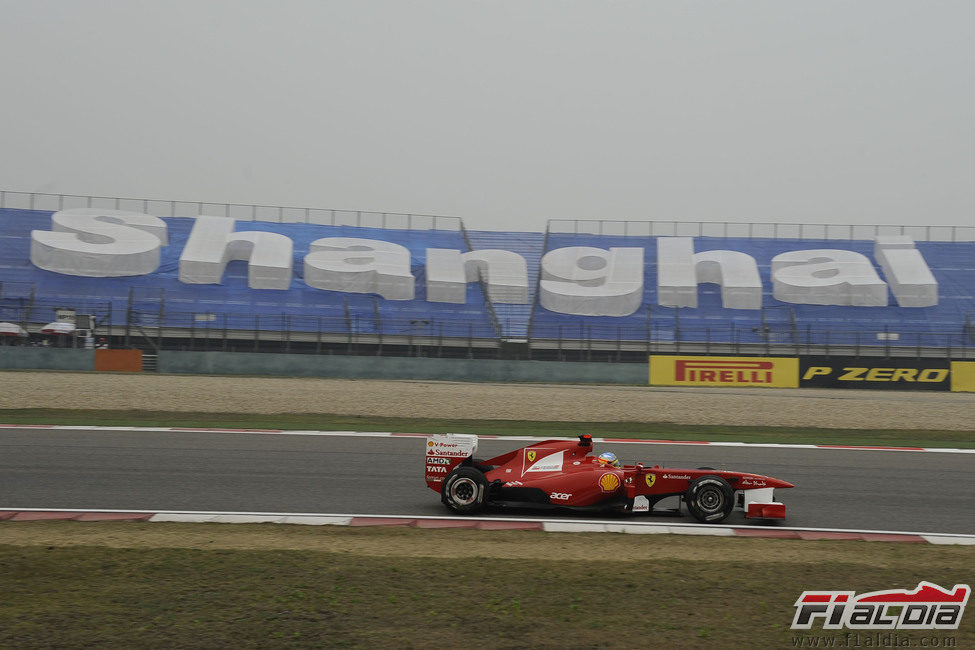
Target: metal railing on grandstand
x=241 y=212
x=357 y=334
x=730 y=229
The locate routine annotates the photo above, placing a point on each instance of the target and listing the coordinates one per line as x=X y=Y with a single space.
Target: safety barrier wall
x=21 y=358
x=363 y=367
x=664 y=370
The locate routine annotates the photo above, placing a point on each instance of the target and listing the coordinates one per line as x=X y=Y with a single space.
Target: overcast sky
x=503 y=113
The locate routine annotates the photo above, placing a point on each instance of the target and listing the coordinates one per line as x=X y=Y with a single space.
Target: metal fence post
x=128 y=318
x=162 y=312
x=286 y=326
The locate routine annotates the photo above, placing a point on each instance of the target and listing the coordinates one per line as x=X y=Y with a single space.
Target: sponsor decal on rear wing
x=444 y=452
x=451 y=445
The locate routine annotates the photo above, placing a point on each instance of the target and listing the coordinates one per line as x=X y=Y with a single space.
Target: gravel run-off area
x=828 y=408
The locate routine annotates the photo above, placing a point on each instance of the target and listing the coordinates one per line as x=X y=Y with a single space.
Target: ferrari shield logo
x=651 y=479
x=531 y=455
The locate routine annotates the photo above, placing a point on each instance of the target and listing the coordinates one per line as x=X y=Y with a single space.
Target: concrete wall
x=24 y=358
x=306 y=365
x=350 y=367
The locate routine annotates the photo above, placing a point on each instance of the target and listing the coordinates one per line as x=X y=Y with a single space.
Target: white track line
x=389 y=434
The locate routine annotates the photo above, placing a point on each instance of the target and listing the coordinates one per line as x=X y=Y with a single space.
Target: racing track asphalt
x=241 y=472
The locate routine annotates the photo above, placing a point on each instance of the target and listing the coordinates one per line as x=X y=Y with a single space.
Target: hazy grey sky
x=503 y=113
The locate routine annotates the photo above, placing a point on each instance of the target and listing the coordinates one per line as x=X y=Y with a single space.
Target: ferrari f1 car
x=565 y=474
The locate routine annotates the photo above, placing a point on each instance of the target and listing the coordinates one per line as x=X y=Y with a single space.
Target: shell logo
x=609 y=482
x=430 y=443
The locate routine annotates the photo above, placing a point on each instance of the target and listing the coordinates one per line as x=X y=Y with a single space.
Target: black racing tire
x=481 y=465
x=710 y=499
x=711 y=468
x=464 y=491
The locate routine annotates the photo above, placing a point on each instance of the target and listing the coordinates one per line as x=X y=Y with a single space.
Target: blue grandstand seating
x=953 y=264
x=302 y=308
x=513 y=320
x=239 y=307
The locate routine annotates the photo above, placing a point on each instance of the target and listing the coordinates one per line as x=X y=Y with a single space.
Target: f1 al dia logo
x=928 y=607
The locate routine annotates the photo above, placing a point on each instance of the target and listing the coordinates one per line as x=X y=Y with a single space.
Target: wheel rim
x=710 y=499
x=463 y=492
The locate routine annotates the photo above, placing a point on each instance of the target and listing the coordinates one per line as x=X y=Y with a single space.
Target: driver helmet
x=608 y=458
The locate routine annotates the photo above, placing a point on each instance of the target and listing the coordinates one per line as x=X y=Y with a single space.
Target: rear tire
x=710 y=499
x=464 y=491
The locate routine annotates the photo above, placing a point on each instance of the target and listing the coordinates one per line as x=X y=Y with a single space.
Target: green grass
x=643 y=430
x=81 y=596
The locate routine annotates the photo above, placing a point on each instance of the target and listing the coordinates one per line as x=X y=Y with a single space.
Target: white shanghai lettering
x=578 y=280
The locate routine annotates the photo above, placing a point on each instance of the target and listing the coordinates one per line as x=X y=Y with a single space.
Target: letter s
x=99 y=243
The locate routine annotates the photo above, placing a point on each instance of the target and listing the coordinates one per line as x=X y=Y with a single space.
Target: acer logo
x=559 y=496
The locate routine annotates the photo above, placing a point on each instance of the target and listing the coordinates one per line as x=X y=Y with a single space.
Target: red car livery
x=565 y=474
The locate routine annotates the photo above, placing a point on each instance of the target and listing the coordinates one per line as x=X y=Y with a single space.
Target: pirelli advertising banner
x=963 y=376
x=870 y=372
x=780 y=372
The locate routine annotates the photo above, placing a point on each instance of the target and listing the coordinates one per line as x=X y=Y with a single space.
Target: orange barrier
x=119 y=360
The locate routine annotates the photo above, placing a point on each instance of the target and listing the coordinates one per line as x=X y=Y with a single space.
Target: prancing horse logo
x=531 y=455
x=651 y=479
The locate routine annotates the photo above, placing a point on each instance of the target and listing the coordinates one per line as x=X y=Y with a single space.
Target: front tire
x=464 y=491
x=710 y=499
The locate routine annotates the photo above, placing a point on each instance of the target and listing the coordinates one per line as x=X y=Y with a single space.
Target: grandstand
x=158 y=311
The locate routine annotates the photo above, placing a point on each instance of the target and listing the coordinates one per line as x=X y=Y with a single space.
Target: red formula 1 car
x=565 y=474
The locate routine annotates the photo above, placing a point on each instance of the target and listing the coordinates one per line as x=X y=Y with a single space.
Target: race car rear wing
x=444 y=452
